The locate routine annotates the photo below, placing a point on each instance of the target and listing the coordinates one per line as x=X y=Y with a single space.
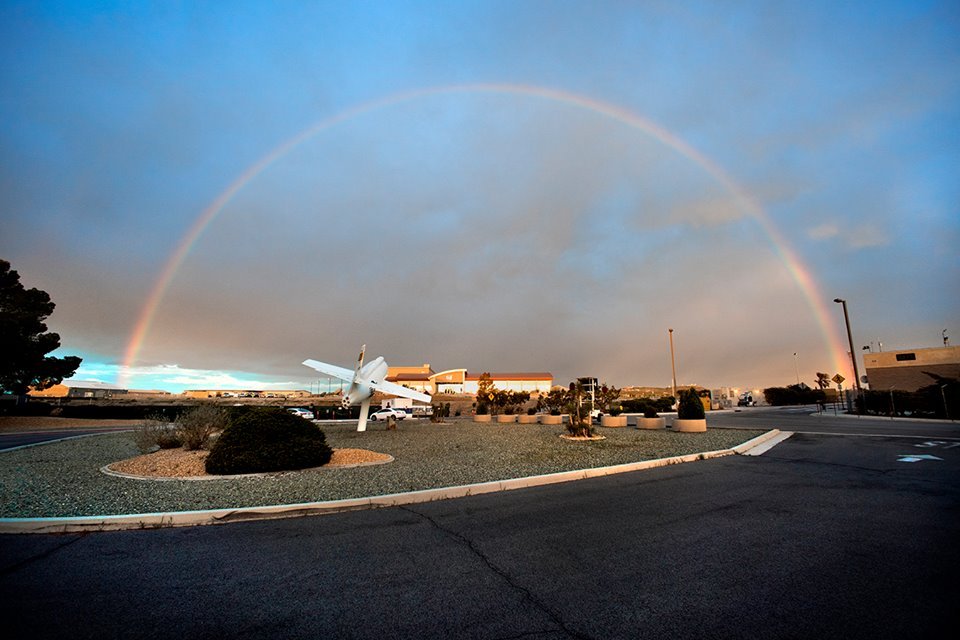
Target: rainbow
x=799 y=272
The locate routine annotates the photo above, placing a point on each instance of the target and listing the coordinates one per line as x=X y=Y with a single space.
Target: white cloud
x=172 y=377
x=823 y=232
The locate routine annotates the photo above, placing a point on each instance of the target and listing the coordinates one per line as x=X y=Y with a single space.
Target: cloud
x=175 y=378
x=824 y=231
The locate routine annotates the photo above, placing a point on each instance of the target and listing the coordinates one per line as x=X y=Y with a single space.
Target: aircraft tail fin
x=363 y=350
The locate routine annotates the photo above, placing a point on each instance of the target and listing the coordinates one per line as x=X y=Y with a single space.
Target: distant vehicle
x=746 y=400
x=596 y=415
x=383 y=414
x=303 y=413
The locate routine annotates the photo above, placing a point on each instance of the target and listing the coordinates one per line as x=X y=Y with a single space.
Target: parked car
x=383 y=414
x=303 y=413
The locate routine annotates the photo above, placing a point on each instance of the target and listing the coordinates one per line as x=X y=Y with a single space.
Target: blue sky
x=494 y=231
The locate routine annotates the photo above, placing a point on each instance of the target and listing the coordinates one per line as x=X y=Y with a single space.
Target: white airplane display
x=364 y=380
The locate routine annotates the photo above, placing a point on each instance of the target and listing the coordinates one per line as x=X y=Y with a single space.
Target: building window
x=906 y=356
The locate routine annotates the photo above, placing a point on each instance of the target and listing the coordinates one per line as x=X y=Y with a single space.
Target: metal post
x=796 y=367
x=853 y=354
x=673 y=366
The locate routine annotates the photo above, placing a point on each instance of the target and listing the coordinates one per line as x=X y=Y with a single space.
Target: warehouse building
x=80 y=389
x=907 y=370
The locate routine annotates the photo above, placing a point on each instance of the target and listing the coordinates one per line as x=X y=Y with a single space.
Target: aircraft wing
x=330 y=370
x=397 y=390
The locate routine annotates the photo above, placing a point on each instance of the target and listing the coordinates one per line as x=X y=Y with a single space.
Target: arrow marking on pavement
x=904 y=458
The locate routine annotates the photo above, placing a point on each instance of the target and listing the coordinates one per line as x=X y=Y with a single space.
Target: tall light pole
x=673 y=366
x=796 y=367
x=853 y=354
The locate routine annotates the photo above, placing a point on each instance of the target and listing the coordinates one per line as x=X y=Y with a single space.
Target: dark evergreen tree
x=25 y=341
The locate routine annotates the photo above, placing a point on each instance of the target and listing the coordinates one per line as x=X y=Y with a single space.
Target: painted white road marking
x=904 y=458
x=943 y=444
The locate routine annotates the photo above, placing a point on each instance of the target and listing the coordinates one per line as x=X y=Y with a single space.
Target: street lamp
x=853 y=354
x=673 y=366
x=796 y=367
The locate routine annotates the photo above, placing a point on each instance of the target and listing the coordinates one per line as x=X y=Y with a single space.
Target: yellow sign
x=838 y=378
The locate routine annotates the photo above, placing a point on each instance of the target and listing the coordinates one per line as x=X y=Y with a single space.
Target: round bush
x=691 y=407
x=268 y=439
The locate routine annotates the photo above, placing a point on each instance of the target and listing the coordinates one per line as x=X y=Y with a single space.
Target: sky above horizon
x=212 y=193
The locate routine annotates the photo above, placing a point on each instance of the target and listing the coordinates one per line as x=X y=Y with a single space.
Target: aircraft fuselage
x=370 y=375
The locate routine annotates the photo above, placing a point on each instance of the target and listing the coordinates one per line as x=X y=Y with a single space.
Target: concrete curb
x=746 y=447
x=241 y=514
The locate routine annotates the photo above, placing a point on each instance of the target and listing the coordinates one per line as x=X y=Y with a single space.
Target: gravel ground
x=64 y=478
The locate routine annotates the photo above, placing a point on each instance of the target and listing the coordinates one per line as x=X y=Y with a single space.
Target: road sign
x=838 y=378
x=904 y=458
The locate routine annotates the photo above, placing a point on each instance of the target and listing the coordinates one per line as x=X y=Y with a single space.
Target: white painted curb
x=216 y=516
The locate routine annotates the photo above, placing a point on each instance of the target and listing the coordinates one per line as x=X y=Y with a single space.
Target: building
x=906 y=370
x=246 y=393
x=531 y=382
x=416 y=378
x=80 y=389
x=424 y=379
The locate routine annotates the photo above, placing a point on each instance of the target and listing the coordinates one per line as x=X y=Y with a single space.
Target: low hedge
x=266 y=439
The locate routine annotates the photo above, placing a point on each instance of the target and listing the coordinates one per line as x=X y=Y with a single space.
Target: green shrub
x=794 y=394
x=156 y=432
x=691 y=408
x=650 y=410
x=268 y=439
x=195 y=425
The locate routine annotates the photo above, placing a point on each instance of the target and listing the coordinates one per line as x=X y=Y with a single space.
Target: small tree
x=485 y=394
x=691 y=407
x=516 y=400
x=554 y=401
x=25 y=341
x=500 y=400
x=605 y=396
x=578 y=407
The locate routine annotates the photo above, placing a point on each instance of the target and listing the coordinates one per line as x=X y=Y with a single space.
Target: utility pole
x=853 y=354
x=796 y=367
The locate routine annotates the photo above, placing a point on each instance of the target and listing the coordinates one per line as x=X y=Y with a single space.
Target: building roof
x=513 y=376
x=92 y=384
x=411 y=377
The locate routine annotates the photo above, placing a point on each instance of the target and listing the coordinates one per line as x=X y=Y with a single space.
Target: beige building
x=80 y=389
x=424 y=379
x=246 y=393
x=532 y=382
x=906 y=370
x=416 y=378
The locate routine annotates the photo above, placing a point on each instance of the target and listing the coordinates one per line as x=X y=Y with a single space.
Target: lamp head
x=839 y=300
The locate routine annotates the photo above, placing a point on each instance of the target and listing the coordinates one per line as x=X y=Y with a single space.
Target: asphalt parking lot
x=824 y=535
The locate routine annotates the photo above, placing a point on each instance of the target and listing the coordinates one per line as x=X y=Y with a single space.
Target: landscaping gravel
x=64 y=478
